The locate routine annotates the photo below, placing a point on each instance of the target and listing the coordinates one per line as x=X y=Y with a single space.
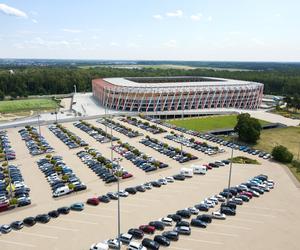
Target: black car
x=226 y=194
x=53 y=214
x=179 y=177
x=155 y=184
x=150 y=244
x=207 y=218
x=157 y=224
x=140 y=188
x=42 y=218
x=202 y=207
x=182 y=223
x=175 y=217
x=198 y=223
x=229 y=204
x=162 y=240
x=184 y=213
x=29 y=221
x=136 y=233
x=171 y=235
x=131 y=190
x=227 y=211
x=104 y=198
x=63 y=210
x=17 y=225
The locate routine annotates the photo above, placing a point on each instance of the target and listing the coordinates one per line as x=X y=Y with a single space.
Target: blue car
x=79 y=206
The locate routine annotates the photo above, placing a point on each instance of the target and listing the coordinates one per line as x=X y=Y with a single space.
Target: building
x=154 y=94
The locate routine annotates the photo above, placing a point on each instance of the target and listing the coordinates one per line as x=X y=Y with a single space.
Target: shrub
x=65 y=177
x=71 y=186
x=13 y=201
x=4 y=164
x=282 y=154
x=48 y=156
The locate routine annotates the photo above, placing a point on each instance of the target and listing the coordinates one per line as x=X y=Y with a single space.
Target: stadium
x=161 y=94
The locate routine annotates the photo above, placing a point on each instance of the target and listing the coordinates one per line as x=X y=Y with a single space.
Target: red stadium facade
x=155 y=94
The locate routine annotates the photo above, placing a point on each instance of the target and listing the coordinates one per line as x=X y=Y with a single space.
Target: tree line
x=31 y=80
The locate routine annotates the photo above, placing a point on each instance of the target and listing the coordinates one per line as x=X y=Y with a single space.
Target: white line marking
x=17 y=243
x=205 y=241
x=38 y=235
x=238 y=227
x=80 y=221
x=60 y=228
x=222 y=234
x=256 y=214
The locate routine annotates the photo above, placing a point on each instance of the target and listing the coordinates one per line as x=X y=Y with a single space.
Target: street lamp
x=230 y=170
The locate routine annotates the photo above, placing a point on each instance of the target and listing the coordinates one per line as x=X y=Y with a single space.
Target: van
x=197 y=169
x=187 y=172
x=61 y=191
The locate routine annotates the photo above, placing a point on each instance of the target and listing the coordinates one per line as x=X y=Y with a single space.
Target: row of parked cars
x=164 y=148
x=197 y=145
x=61 y=177
x=6 y=152
x=35 y=142
x=143 y=125
x=119 y=128
x=67 y=137
x=97 y=133
x=13 y=190
x=40 y=218
x=170 y=227
x=138 y=158
x=104 y=168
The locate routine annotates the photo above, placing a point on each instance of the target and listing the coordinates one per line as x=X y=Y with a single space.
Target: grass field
x=208 y=123
x=27 y=105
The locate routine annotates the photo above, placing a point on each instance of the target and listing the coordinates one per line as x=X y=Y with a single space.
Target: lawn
x=27 y=105
x=209 y=123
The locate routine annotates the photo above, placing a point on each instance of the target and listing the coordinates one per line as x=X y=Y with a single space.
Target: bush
x=248 y=128
x=48 y=156
x=296 y=164
x=71 y=186
x=13 y=201
x=4 y=164
x=282 y=154
x=65 y=177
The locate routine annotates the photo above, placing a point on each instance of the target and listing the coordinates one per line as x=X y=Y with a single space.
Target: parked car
x=147 y=229
x=150 y=244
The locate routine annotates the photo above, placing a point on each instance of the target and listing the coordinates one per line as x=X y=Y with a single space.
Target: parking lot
x=268 y=222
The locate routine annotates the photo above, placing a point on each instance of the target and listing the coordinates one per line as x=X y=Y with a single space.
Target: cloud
x=176 y=13
x=158 y=17
x=114 y=44
x=34 y=20
x=196 y=17
x=7 y=10
x=75 y=31
x=209 y=18
x=171 y=43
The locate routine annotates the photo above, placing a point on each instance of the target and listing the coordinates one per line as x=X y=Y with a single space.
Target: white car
x=167 y=221
x=220 y=198
x=134 y=245
x=123 y=193
x=214 y=199
x=218 y=215
x=209 y=203
x=99 y=246
x=238 y=201
x=193 y=210
x=162 y=181
x=113 y=243
x=169 y=179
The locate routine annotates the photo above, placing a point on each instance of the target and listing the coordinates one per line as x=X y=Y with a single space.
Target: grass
x=27 y=105
x=290 y=113
x=294 y=171
x=209 y=123
x=244 y=160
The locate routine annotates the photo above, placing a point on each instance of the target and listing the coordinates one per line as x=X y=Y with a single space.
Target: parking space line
x=205 y=241
x=38 y=235
x=97 y=215
x=17 y=243
x=246 y=220
x=237 y=227
x=256 y=214
x=60 y=228
x=222 y=234
x=80 y=221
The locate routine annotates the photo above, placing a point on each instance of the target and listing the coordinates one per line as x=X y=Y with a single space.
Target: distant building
x=152 y=94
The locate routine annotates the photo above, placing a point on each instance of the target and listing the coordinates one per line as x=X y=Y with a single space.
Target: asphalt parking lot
x=268 y=222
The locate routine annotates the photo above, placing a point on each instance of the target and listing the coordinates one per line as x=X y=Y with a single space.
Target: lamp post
x=181 y=144
x=38 y=117
x=230 y=170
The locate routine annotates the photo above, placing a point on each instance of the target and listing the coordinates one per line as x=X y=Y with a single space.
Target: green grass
x=27 y=105
x=209 y=123
x=244 y=160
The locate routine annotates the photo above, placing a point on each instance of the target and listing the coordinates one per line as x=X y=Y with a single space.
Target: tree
x=248 y=128
x=282 y=154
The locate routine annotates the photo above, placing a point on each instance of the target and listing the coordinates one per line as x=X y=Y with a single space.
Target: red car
x=147 y=229
x=93 y=201
x=248 y=194
x=207 y=166
x=126 y=175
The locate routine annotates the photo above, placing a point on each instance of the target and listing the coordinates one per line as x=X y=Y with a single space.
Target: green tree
x=248 y=128
x=282 y=154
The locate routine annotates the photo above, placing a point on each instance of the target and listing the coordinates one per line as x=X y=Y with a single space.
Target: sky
x=222 y=30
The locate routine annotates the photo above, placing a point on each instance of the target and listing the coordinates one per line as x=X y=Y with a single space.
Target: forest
x=22 y=81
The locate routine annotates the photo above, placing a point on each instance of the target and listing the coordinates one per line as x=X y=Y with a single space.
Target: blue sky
x=239 y=30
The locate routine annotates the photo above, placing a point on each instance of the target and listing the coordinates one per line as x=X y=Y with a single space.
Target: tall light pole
x=230 y=170
x=105 y=110
x=181 y=144
x=39 y=122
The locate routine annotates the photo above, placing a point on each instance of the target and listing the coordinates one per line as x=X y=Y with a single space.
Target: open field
x=209 y=123
x=261 y=219
x=27 y=105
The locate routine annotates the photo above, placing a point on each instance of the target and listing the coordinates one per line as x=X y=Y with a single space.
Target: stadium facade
x=153 y=94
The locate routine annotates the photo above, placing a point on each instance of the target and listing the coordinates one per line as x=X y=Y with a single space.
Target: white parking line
x=221 y=234
x=205 y=241
x=80 y=221
x=17 y=243
x=38 y=235
x=60 y=228
x=237 y=227
x=246 y=220
x=256 y=214
x=97 y=215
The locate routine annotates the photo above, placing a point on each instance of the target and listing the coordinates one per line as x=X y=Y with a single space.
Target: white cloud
x=176 y=13
x=75 y=31
x=12 y=11
x=158 y=17
x=209 y=18
x=171 y=43
x=196 y=17
x=34 y=20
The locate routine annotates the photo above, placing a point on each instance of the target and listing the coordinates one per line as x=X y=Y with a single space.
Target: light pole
x=39 y=122
x=230 y=170
x=56 y=115
x=181 y=144
x=105 y=110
